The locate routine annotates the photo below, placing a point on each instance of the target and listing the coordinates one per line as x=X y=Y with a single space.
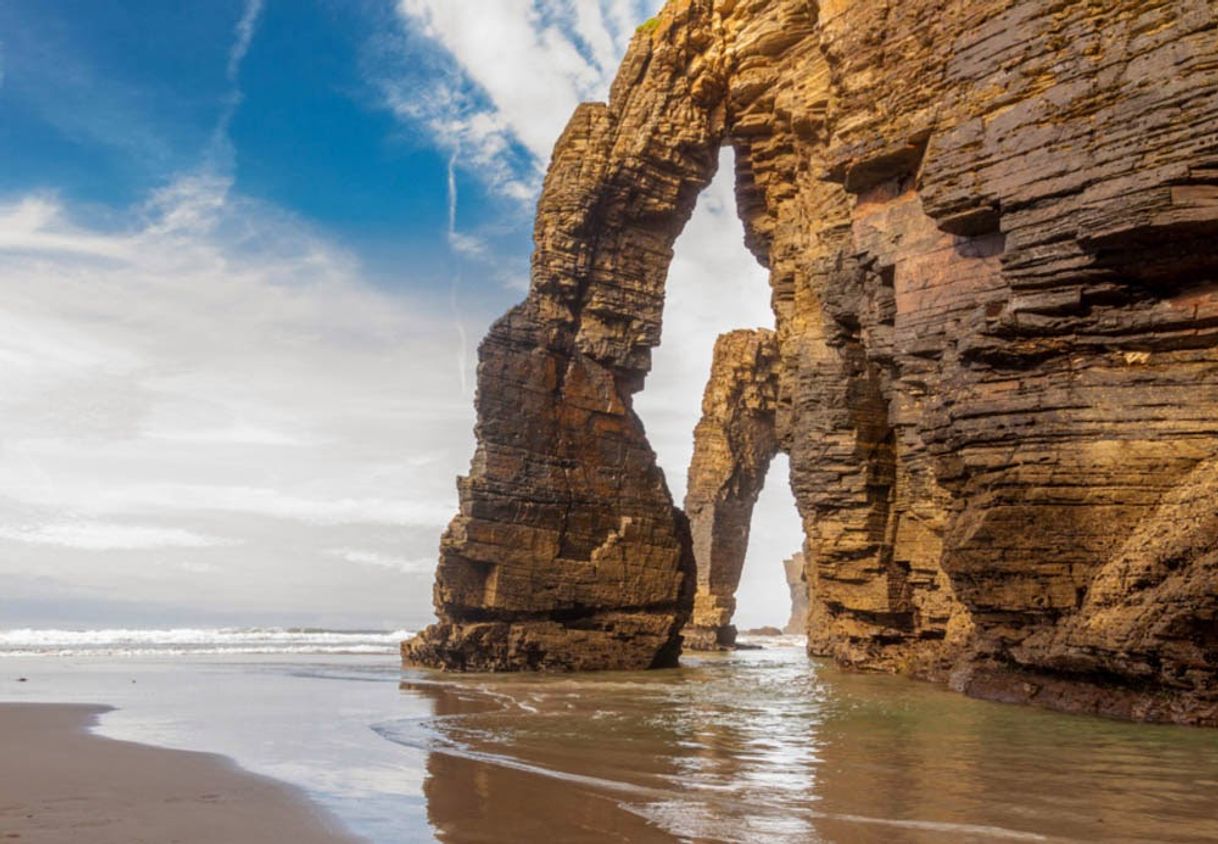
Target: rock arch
x=568 y=552
x=988 y=228
x=734 y=442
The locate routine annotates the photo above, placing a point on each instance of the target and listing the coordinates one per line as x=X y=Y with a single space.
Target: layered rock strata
x=990 y=227
x=568 y=552
x=793 y=567
x=734 y=442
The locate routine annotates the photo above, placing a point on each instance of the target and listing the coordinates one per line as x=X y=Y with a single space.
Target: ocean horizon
x=428 y=421
x=180 y=641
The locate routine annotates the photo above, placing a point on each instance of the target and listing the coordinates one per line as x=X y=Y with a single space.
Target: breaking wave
x=189 y=640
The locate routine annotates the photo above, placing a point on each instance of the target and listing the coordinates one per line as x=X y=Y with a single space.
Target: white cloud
x=423 y=565
x=34 y=225
x=516 y=71
x=243 y=35
x=215 y=368
x=191 y=567
x=211 y=367
x=103 y=536
x=220 y=155
x=238 y=433
x=132 y=499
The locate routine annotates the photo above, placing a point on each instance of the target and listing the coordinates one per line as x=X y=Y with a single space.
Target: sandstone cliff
x=733 y=445
x=990 y=226
x=793 y=567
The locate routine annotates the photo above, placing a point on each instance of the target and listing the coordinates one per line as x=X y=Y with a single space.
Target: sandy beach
x=809 y=753
x=59 y=783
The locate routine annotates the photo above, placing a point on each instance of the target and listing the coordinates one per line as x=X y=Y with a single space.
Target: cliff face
x=568 y=552
x=990 y=226
x=733 y=445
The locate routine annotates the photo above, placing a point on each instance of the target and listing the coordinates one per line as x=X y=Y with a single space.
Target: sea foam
x=190 y=640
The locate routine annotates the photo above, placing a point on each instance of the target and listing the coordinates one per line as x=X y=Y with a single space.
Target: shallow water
x=765 y=745
x=751 y=746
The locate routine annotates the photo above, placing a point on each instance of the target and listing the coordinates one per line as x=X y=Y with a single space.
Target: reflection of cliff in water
x=768 y=746
x=476 y=792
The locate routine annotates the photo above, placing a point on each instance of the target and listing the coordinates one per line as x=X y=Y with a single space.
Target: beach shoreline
x=59 y=782
x=808 y=753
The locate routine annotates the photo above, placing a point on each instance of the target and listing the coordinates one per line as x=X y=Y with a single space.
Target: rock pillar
x=733 y=445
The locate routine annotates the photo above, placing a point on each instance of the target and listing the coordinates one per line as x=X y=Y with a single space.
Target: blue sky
x=247 y=250
x=104 y=103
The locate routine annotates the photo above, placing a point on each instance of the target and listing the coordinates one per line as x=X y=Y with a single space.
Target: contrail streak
x=462 y=339
x=245 y=34
x=219 y=151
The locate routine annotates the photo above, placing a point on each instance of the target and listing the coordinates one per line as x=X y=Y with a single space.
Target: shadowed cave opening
x=716 y=285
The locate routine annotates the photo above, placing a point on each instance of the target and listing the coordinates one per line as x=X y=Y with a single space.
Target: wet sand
x=767 y=746
x=59 y=783
x=753 y=746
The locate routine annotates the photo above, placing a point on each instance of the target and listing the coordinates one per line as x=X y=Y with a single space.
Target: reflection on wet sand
x=474 y=796
x=768 y=746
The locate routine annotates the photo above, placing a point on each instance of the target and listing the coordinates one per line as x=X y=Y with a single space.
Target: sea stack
x=734 y=442
x=793 y=567
x=990 y=230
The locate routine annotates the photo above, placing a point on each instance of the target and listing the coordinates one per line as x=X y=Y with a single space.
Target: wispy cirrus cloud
x=213 y=377
x=503 y=78
x=492 y=85
x=220 y=154
x=107 y=536
x=396 y=563
x=243 y=37
x=204 y=404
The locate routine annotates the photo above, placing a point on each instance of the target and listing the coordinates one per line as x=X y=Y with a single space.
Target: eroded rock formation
x=793 y=567
x=568 y=552
x=734 y=443
x=990 y=226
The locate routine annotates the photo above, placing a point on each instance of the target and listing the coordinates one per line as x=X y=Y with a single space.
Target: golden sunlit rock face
x=991 y=231
x=733 y=445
